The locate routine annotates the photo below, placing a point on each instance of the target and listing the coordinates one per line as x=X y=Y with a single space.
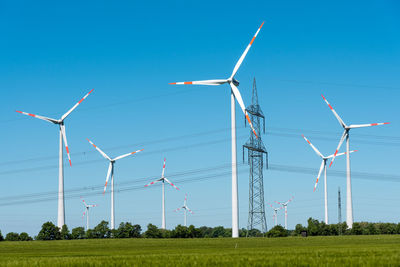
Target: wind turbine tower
x=255 y=158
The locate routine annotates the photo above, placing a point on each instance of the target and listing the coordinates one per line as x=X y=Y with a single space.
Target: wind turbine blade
x=171 y=183
x=38 y=117
x=290 y=200
x=178 y=209
x=83 y=214
x=341 y=154
x=277 y=202
x=84 y=202
x=313 y=147
x=189 y=210
x=125 y=155
x=204 y=82
x=62 y=126
x=163 y=169
x=334 y=113
x=98 y=149
x=74 y=107
x=319 y=174
x=367 y=125
x=345 y=133
x=245 y=52
x=158 y=180
x=110 y=166
x=239 y=99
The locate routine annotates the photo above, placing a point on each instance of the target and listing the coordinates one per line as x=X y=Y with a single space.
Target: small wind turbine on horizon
x=110 y=172
x=346 y=135
x=63 y=137
x=185 y=208
x=86 y=212
x=275 y=215
x=323 y=167
x=235 y=94
x=284 y=204
x=163 y=180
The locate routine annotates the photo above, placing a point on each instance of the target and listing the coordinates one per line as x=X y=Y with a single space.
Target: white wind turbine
x=185 y=208
x=284 y=204
x=86 y=212
x=275 y=215
x=323 y=167
x=235 y=94
x=349 y=200
x=163 y=180
x=63 y=136
x=111 y=173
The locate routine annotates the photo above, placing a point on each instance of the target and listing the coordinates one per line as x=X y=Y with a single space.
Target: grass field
x=292 y=251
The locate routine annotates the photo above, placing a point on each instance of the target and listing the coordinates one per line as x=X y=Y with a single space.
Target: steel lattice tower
x=255 y=157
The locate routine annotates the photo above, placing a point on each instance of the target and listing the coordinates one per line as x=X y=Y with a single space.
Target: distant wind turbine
x=111 y=173
x=323 y=167
x=86 y=212
x=185 y=208
x=347 y=128
x=163 y=180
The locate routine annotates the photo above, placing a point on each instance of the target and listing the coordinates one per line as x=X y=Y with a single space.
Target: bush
x=49 y=232
x=152 y=231
x=24 y=237
x=127 y=230
x=277 y=231
x=12 y=236
x=1 y=237
x=78 y=233
x=65 y=235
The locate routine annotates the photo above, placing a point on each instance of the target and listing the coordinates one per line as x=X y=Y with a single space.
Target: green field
x=291 y=251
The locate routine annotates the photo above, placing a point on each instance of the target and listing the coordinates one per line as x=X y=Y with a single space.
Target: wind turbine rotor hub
x=235 y=82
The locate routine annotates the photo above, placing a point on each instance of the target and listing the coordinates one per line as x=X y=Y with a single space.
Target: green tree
x=180 y=232
x=49 y=232
x=152 y=231
x=12 y=236
x=299 y=228
x=24 y=237
x=205 y=231
x=78 y=233
x=65 y=235
x=1 y=237
x=313 y=228
x=193 y=232
x=277 y=231
x=356 y=229
x=127 y=230
x=220 y=231
x=101 y=230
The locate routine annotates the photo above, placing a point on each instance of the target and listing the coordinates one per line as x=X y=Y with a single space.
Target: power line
x=137 y=184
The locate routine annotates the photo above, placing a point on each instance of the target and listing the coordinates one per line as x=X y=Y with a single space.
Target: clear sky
x=51 y=54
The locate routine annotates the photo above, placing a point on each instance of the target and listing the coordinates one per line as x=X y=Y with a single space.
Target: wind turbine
x=163 y=180
x=63 y=136
x=323 y=167
x=111 y=173
x=87 y=207
x=275 y=216
x=284 y=204
x=185 y=208
x=235 y=94
x=347 y=128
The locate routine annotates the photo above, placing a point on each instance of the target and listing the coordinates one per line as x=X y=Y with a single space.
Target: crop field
x=291 y=251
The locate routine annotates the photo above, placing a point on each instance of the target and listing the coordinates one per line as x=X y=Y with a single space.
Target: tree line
x=128 y=230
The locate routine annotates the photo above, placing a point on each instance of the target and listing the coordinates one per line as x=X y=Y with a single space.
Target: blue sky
x=53 y=53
